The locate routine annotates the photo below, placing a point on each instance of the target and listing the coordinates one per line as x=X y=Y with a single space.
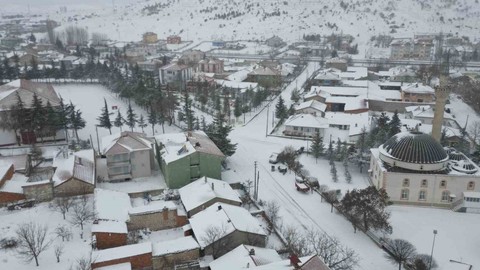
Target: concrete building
x=174 y=39
x=185 y=157
x=129 y=155
x=175 y=73
x=173 y=253
x=305 y=125
x=210 y=65
x=149 y=38
x=138 y=255
x=418 y=92
x=74 y=173
x=109 y=234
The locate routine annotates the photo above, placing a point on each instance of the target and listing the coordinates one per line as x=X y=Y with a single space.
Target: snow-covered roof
x=425 y=112
x=111 y=205
x=313 y=104
x=240 y=258
x=356 y=83
x=111 y=254
x=26 y=90
x=305 y=263
x=129 y=141
x=240 y=75
x=179 y=145
x=351 y=103
x=354 y=73
x=120 y=266
x=153 y=207
x=4 y=167
x=174 y=246
x=109 y=226
x=227 y=218
x=418 y=88
x=204 y=190
x=78 y=164
x=15 y=184
x=306 y=120
x=327 y=75
x=336 y=91
x=356 y=121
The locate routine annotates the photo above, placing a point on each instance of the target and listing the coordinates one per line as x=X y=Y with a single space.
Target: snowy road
x=303 y=210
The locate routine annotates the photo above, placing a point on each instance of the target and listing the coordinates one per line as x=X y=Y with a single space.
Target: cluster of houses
x=426 y=46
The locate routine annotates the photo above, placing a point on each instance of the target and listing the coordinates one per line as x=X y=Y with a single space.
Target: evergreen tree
x=141 y=122
x=32 y=38
x=16 y=118
x=131 y=117
x=295 y=96
x=330 y=151
x=281 y=109
x=333 y=171
x=51 y=119
x=394 y=125
x=226 y=106
x=382 y=121
x=76 y=121
x=119 y=121
x=152 y=119
x=104 y=118
x=338 y=149
x=238 y=107
x=63 y=117
x=317 y=147
x=37 y=116
x=188 y=113
x=218 y=132
x=204 y=124
x=63 y=70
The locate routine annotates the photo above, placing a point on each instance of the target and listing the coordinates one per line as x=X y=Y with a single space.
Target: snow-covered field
x=89 y=99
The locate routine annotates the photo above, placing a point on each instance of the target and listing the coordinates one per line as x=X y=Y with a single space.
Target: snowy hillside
x=254 y=19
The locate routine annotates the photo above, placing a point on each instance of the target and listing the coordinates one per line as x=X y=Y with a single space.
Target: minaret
x=441 y=94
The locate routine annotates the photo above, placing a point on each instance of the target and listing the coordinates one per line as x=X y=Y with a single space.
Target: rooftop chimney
x=251 y=252
x=213 y=186
x=219 y=207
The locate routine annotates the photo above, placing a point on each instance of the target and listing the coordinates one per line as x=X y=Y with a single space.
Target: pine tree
x=238 y=108
x=51 y=120
x=317 y=147
x=394 y=124
x=119 y=121
x=188 y=113
x=141 y=122
x=76 y=121
x=63 y=117
x=152 y=119
x=226 y=106
x=131 y=117
x=333 y=171
x=37 y=116
x=218 y=132
x=330 y=151
x=281 y=109
x=338 y=149
x=104 y=118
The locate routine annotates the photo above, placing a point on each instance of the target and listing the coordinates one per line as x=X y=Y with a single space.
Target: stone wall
x=168 y=262
x=41 y=192
x=391 y=106
x=110 y=240
x=155 y=221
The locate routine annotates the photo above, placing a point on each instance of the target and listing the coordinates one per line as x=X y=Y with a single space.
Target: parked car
x=299 y=179
x=273 y=159
x=302 y=187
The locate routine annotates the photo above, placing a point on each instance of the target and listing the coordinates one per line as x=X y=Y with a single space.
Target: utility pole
x=266 y=126
x=255 y=180
x=98 y=140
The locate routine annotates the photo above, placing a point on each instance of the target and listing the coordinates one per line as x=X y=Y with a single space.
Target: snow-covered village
x=240 y=134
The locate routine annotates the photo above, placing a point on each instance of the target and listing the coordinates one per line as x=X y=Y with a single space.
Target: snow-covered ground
x=89 y=99
x=74 y=249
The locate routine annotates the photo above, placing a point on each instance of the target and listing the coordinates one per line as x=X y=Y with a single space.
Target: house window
x=443 y=184
x=406 y=182
x=422 y=195
x=424 y=183
x=307 y=129
x=471 y=185
x=445 y=195
x=295 y=128
x=404 y=195
x=317 y=130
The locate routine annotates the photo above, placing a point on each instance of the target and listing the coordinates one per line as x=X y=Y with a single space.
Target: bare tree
x=32 y=241
x=84 y=263
x=81 y=214
x=62 y=205
x=295 y=241
x=59 y=250
x=63 y=232
x=322 y=189
x=334 y=254
x=474 y=131
x=399 y=251
x=271 y=210
x=215 y=238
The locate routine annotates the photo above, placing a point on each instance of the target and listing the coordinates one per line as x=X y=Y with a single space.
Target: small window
x=424 y=183
x=471 y=185
x=445 y=196
x=422 y=196
x=406 y=182
x=443 y=184
x=404 y=195
x=295 y=128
